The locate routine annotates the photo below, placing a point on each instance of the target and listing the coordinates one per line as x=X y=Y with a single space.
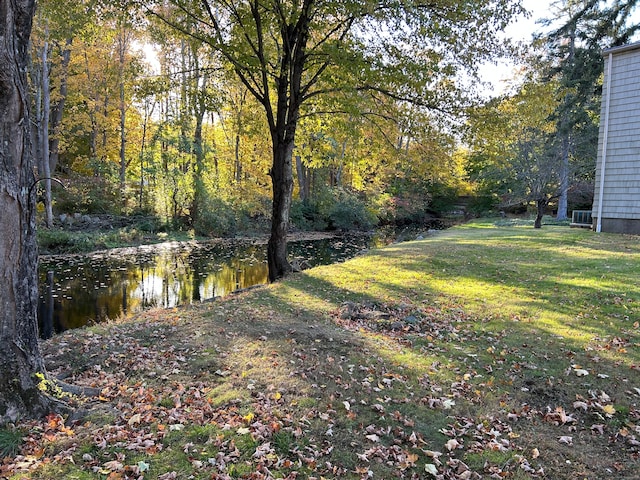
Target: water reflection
x=78 y=290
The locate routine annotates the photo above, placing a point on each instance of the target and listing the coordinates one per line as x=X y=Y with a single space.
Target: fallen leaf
x=609 y=410
x=566 y=439
x=447 y=404
x=135 y=419
x=580 y=405
x=114 y=466
x=452 y=444
x=431 y=468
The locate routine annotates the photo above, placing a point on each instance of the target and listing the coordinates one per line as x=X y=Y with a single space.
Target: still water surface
x=83 y=289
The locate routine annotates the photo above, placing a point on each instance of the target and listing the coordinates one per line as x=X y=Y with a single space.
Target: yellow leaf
x=249 y=417
x=609 y=410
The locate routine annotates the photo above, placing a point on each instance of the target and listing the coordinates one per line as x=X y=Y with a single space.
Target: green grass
x=10 y=441
x=504 y=338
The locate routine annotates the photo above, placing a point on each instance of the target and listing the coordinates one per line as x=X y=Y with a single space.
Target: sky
x=522 y=29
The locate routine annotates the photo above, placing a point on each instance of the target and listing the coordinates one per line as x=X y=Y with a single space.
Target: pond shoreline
x=82 y=288
x=173 y=244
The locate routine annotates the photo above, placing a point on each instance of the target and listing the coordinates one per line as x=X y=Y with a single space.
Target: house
x=616 y=205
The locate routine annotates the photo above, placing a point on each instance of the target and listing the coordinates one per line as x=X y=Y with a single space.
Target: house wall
x=621 y=192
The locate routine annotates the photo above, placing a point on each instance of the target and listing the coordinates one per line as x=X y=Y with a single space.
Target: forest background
x=137 y=119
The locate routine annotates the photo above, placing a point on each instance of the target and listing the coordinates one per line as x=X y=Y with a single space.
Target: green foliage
x=403 y=209
x=215 y=218
x=55 y=240
x=306 y=216
x=482 y=204
x=10 y=442
x=333 y=208
x=350 y=213
x=444 y=198
x=88 y=194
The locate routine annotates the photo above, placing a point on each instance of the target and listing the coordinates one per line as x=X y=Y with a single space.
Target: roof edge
x=621 y=48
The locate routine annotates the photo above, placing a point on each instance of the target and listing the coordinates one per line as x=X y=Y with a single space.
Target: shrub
x=482 y=205
x=306 y=216
x=55 y=240
x=87 y=195
x=351 y=215
x=348 y=212
x=216 y=218
x=402 y=209
x=332 y=209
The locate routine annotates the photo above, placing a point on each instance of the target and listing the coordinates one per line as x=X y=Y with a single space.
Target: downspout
x=605 y=138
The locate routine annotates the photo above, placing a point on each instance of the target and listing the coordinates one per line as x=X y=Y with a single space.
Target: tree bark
x=541 y=206
x=123 y=44
x=21 y=364
x=303 y=180
x=283 y=133
x=282 y=182
x=563 y=199
x=44 y=136
x=57 y=109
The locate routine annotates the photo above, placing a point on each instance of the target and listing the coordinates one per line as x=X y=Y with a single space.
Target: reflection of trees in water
x=83 y=290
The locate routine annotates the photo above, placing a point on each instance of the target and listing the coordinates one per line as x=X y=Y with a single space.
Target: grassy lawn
x=478 y=352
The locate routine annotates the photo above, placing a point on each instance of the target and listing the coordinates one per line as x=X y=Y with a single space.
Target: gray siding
x=621 y=195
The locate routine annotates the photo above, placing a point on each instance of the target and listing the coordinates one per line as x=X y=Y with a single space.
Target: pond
x=82 y=289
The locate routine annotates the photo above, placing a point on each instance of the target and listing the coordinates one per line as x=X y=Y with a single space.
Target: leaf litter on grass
x=254 y=387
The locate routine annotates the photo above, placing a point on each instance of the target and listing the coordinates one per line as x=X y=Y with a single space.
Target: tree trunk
x=199 y=192
x=541 y=206
x=563 y=199
x=44 y=126
x=123 y=43
x=303 y=180
x=57 y=109
x=21 y=364
x=282 y=182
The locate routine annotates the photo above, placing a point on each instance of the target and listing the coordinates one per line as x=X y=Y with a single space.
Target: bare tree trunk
x=148 y=111
x=58 y=108
x=303 y=179
x=541 y=205
x=199 y=171
x=44 y=136
x=123 y=44
x=282 y=182
x=563 y=199
x=21 y=364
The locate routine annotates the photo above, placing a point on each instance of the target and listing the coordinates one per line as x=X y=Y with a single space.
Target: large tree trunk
x=282 y=182
x=283 y=134
x=21 y=364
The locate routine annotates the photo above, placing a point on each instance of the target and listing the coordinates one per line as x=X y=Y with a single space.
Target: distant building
x=616 y=204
